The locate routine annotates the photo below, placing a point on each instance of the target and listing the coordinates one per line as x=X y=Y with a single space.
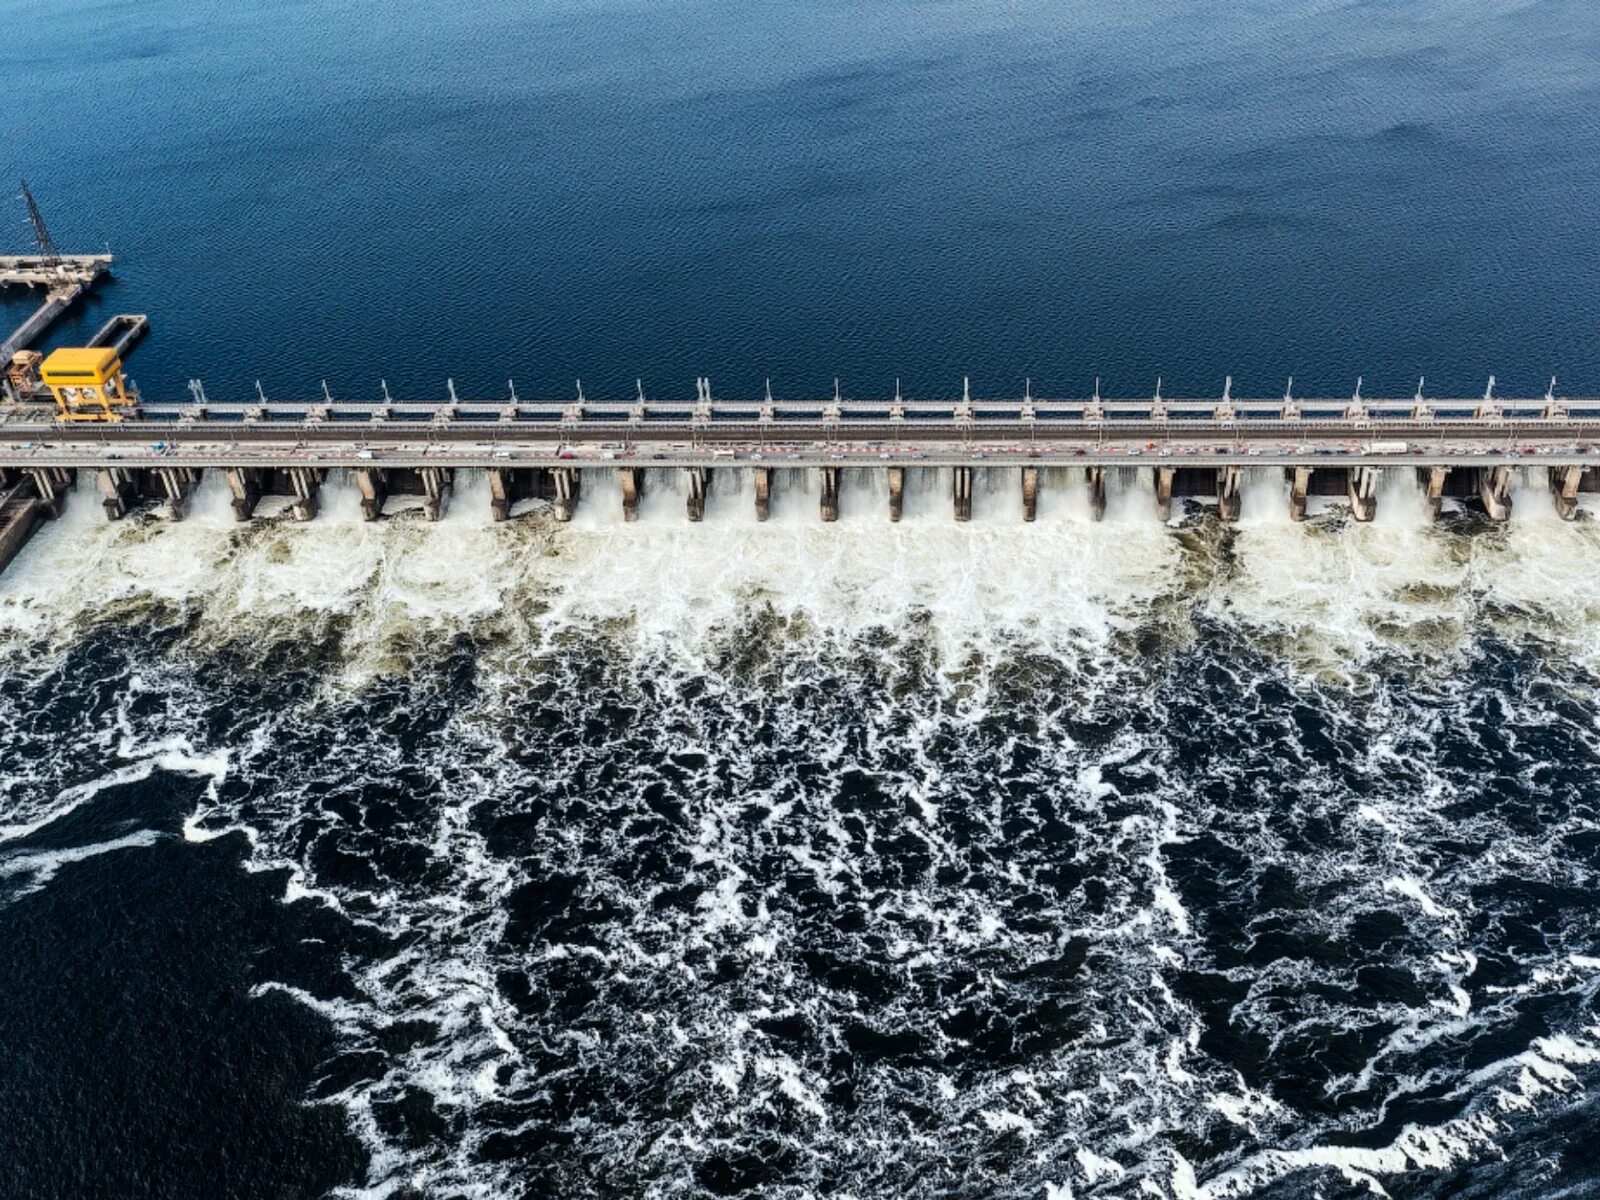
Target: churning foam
x=962 y=805
x=1339 y=591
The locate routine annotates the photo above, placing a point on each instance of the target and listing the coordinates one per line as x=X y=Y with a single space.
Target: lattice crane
x=40 y=234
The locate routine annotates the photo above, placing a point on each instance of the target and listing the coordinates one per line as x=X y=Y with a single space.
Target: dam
x=1025 y=790
x=1179 y=450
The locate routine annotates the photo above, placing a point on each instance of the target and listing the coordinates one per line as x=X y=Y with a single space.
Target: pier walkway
x=64 y=279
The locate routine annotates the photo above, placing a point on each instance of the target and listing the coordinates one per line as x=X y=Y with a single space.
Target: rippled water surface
x=1061 y=860
x=608 y=190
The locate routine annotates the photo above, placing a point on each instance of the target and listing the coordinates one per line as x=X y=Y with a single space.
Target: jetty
x=63 y=281
x=62 y=277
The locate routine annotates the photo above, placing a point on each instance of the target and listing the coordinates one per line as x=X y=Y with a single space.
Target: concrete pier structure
x=501 y=489
x=64 y=278
x=119 y=491
x=1163 y=482
x=50 y=486
x=1433 y=485
x=176 y=485
x=632 y=480
x=1494 y=489
x=1363 y=487
x=1097 y=493
x=1228 y=499
x=897 y=493
x=830 y=493
x=762 y=479
x=435 y=489
x=307 y=484
x=699 y=482
x=1565 y=483
x=1030 y=493
x=963 y=493
x=565 y=486
x=374 y=488
x=1299 y=490
x=246 y=485
x=21 y=513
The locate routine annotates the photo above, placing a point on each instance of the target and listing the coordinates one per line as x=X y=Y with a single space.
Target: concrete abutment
x=119 y=491
x=306 y=484
x=1565 y=484
x=246 y=484
x=632 y=481
x=566 y=485
x=1228 y=498
x=963 y=493
x=830 y=493
x=50 y=486
x=1363 y=487
x=763 y=488
x=1494 y=489
x=1097 y=493
x=699 y=484
x=1299 y=490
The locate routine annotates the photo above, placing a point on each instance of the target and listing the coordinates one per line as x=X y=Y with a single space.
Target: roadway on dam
x=981 y=442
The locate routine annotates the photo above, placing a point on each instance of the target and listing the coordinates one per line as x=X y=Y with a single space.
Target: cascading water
x=1056 y=859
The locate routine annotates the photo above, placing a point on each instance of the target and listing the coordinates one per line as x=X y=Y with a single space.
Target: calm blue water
x=1067 y=861
x=352 y=191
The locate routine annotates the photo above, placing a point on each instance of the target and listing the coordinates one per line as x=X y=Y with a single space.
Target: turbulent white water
x=1062 y=859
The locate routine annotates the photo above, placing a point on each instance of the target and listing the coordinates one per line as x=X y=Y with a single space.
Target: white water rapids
x=1059 y=859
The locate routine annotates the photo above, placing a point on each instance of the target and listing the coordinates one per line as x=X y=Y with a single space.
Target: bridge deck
x=288 y=451
x=35 y=270
x=993 y=433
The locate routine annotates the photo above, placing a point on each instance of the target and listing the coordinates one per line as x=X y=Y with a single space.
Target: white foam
x=1343 y=592
x=42 y=865
x=998 y=1121
x=166 y=754
x=1096 y=1167
x=655 y=618
x=1405 y=886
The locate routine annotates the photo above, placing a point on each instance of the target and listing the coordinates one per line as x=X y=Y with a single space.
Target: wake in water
x=1069 y=859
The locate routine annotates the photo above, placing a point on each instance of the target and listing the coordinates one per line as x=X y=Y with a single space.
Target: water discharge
x=1073 y=858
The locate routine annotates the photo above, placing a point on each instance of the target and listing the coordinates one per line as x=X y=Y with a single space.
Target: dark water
x=1070 y=860
x=357 y=190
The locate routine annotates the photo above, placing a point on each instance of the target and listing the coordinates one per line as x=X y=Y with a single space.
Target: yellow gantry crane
x=87 y=383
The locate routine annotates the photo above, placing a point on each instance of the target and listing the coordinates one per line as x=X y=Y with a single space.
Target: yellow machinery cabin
x=87 y=383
